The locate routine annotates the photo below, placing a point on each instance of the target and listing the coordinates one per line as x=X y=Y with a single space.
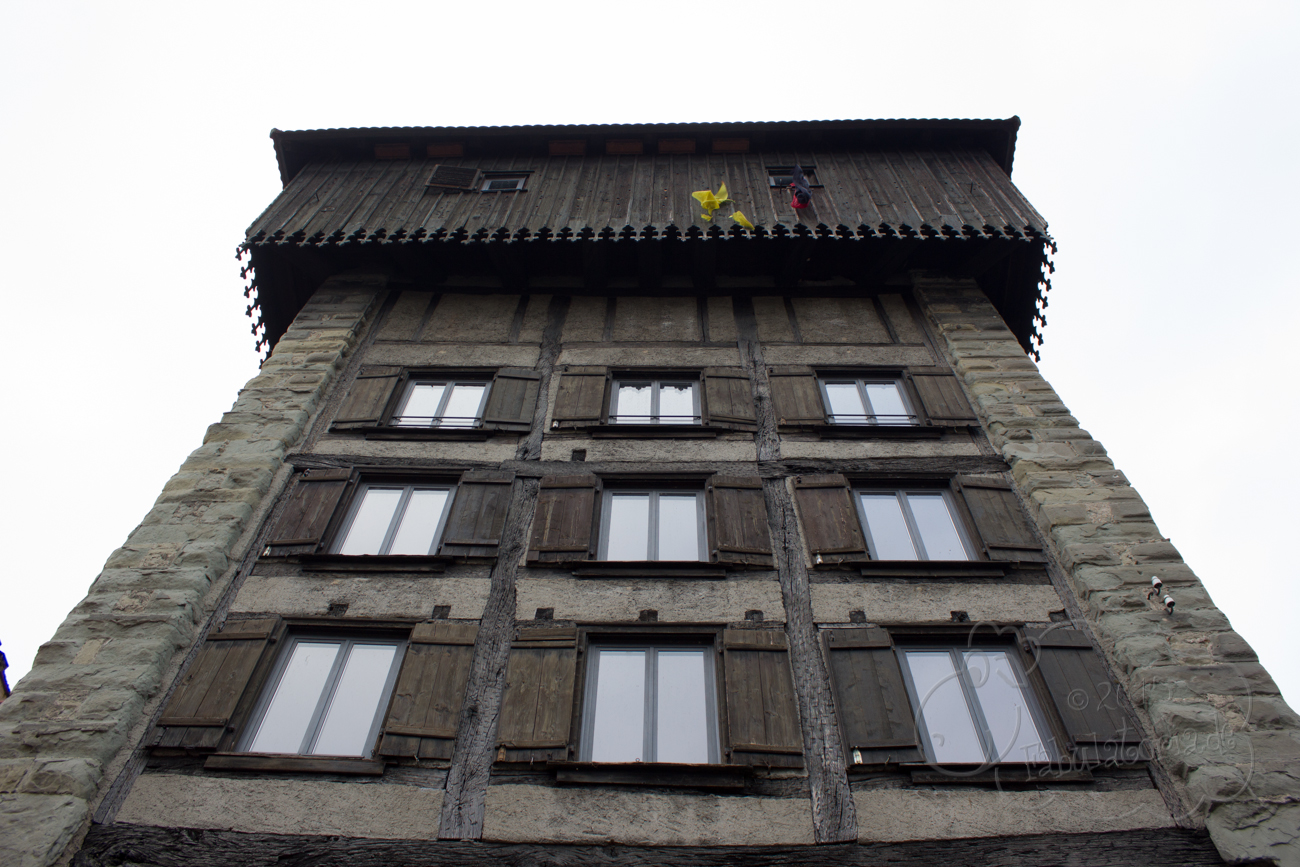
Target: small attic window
x=783 y=176
x=446 y=177
x=501 y=182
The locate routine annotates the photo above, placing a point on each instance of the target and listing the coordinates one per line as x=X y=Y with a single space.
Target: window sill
x=728 y=777
x=649 y=569
x=875 y=431
x=425 y=434
x=294 y=764
x=654 y=431
x=984 y=775
x=371 y=563
x=931 y=569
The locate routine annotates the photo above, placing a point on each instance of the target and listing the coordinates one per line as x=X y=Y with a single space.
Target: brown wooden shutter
x=206 y=698
x=478 y=514
x=1085 y=697
x=512 y=400
x=942 y=398
x=1003 y=527
x=446 y=177
x=738 y=515
x=762 y=717
x=537 y=709
x=875 y=715
x=306 y=516
x=728 y=398
x=829 y=518
x=796 y=396
x=581 y=399
x=367 y=399
x=562 y=524
x=425 y=710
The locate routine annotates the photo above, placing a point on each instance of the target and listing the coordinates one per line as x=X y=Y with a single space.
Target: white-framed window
x=650 y=703
x=503 y=182
x=325 y=697
x=867 y=401
x=652 y=525
x=911 y=524
x=655 y=401
x=395 y=519
x=974 y=706
x=442 y=404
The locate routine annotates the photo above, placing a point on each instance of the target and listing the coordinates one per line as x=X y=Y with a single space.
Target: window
x=402 y=520
x=867 y=401
x=447 y=404
x=910 y=525
x=655 y=401
x=650 y=704
x=501 y=182
x=783 y=176
x=652 y=525
x=325 y=697
x=973 y=706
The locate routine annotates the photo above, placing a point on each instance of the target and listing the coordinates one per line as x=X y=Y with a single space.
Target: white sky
x=1157 y=142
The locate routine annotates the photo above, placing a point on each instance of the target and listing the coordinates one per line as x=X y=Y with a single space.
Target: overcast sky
x=1157 y=141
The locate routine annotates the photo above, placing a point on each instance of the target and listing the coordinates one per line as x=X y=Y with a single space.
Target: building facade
x=594 y=504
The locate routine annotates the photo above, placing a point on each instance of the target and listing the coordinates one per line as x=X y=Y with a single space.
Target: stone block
x=78 y=777
x=1255 y=832
x=1192 y=681
x=1231 y=647
x=1269 y=712
x=1138 y=651
x=12 y=772
x=35 y=829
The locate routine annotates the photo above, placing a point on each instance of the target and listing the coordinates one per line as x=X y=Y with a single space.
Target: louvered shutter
x=306 y=516
x=796 y=396
x=537 y=709
x=512 y=400
x=942 y=398
x=206 y=698
x=1085 y=697
x=477 y=515
x=728 y=398
x=367 y=398
x=738 y=515
x=425 y=710
x=581 y=398
x=447 y=177
x=1003 y=527
x=562 y=523
x=875 y=715
x=829 y=519
x=762 y=717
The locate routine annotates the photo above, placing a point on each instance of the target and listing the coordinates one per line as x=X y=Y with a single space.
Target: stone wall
x=70 y=724
x=1221 y=727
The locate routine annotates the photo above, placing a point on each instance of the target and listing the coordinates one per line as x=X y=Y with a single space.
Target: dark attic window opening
x=783 y=176
x=495 y=182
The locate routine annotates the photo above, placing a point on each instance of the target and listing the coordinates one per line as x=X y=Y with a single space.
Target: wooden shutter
x=581 y=399
x=762 y=718
x=1087 y=700
x=1003 y=527
x=728 y=398
x=446 y=177
x=562 y=524
x=206 y=698
x=306 y=516
x=796 y=396
x=512 y=400
x=477 y=515
x=537 y=709
x=425 y=710
x=942 y=398
x=367 y=399
x=875 y=715
x=738 y=515
x=829 y=518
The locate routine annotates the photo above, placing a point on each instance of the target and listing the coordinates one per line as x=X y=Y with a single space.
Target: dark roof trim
x=294 y=149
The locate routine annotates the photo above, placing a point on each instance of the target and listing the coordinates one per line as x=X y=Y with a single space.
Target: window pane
x=370 y=524
x=938 y=533
x=1006 y=710
x=682 y=719
x=943 y=707
x=679 y=529
x=886 y=403
x=284 y=725
x=628 y=534
x=677 y=403
x=421 y=405
x=347 y=721
x=845 y=402
x=462 y=406
x=419 y=522
x=888 y=529
x=633 y=403
x=619 y=723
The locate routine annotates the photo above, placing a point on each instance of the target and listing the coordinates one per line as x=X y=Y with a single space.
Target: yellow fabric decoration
x=705 y=217
x=742 y=220
x=710 y=201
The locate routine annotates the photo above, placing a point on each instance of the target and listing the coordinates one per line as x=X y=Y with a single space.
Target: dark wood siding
x=537 y=709
x=425 y=710
x=829 y=518
x=512 y=401
x=563 y=521
x=738 y=515
x=581 y=398
x=796 y=396
x=942 y=398
x=762 y=718
x=728 y=398
x=870 y=696
x=306 y=516
x=367 y=400
x=1004 y=530
x=477 y=514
